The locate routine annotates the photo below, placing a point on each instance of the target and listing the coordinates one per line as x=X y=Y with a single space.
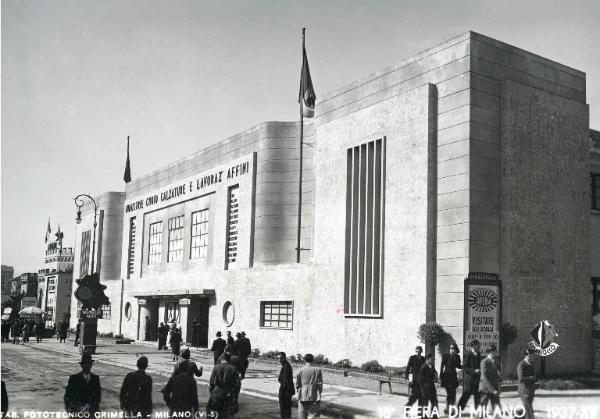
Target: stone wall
x=544 y=241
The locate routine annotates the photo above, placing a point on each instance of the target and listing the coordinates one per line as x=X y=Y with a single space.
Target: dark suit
x=218 y=347
x=82 y=396
x=489 y=384
x=471 y=362
x=136 y=394
x=526 y=387
x=426 y=380
x=448 y=375
x=414 y=365
x=286 y=390
x=181 y=395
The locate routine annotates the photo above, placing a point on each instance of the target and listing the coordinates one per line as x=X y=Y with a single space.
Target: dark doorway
x=198 y=322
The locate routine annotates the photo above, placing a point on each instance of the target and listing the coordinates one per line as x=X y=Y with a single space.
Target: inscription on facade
x=189 y=186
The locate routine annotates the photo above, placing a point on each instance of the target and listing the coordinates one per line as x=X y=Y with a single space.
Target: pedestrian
x=175 y=341
x=83 y=393
x=181 y=394
x=162 y=336
x=309 y=385
x=192 y=368
x=471 y=375
x=412 y=372
x=25 y=332
x=527 y=382
x=63 y=330
x=77 y=333
x=136 y=391
x=286 y=387
x=448 y=375
x=426 y=378
x=39 y=331
x=196 y=332
x=218 y=347
x=5 y=330
x=489 y=383
x=224 y=387
x=15 y=332
x=230 y=340
x=243 y=351
x=4 y=400
x=148 y=329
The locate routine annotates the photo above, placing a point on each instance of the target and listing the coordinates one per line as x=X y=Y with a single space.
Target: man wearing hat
x=415 y=362
x=83 y=393
x=448 y=375
x=191 y=367
x=243 y=349
x=526 y=382
x=230 y=340
x=218 y=347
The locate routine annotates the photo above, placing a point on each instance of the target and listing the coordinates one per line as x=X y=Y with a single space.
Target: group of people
x=481 y=378
x=21 y=330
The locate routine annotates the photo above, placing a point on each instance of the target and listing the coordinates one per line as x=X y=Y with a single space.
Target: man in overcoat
x=136 y=391
x=224 y=387
x=489 y=383
x=426 y=379
x=471 y=375
x=412 y=371
x=286 y=387
x=181 y=394
x=218 y=347
x=527 y=382
x=83 y=392
x=309 y=386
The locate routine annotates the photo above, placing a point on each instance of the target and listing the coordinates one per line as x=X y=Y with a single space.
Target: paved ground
x=37 y=373
x=36 y=376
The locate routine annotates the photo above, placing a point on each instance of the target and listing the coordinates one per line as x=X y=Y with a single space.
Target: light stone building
x=55 y=281
x=471 y=157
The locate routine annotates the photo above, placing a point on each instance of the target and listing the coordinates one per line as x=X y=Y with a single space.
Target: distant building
x=7 y=276
x=469 y=160
x=26 y=283
x=55 y=280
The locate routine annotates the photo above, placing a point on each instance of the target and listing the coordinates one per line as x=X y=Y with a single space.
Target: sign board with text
x=482 y=309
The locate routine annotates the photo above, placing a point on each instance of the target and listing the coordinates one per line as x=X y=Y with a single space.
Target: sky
x=79 y=76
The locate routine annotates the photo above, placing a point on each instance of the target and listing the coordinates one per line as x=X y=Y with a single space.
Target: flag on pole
x=48 y=231
x=59 y=239
x=307 y=96
x=127 y=174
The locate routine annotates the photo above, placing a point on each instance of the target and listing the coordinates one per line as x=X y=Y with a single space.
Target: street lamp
x=79 y=202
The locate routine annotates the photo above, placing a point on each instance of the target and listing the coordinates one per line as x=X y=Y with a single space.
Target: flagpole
x=298 y=249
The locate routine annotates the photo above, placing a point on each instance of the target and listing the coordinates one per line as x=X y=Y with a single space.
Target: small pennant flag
x=127 y=174
x=59 y=238
x=48 y=231
x=306 y=96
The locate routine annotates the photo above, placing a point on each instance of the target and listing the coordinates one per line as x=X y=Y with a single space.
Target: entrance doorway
x=148 y=319
x=197 y=324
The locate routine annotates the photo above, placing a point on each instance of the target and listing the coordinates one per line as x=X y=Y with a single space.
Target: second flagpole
x=298 y=248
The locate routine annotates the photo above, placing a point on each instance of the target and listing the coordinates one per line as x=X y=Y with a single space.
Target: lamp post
x=79 y=202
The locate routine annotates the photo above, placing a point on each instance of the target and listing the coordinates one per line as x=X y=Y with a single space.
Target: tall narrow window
x=232 y=227
x=175 y=239
x=131 y=249
x=84 y=260
x=363 y=282
x=155 y=250
x=199 y=245
x=595 y=190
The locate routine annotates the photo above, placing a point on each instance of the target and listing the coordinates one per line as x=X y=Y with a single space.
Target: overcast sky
x=79 y=76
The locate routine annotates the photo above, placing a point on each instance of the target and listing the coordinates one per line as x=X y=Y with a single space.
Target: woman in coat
x=448 y=375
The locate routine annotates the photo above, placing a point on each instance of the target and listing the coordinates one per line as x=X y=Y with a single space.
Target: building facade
x=55 y=281
x=470 y=160
x=7 y=276
x=98 y=249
